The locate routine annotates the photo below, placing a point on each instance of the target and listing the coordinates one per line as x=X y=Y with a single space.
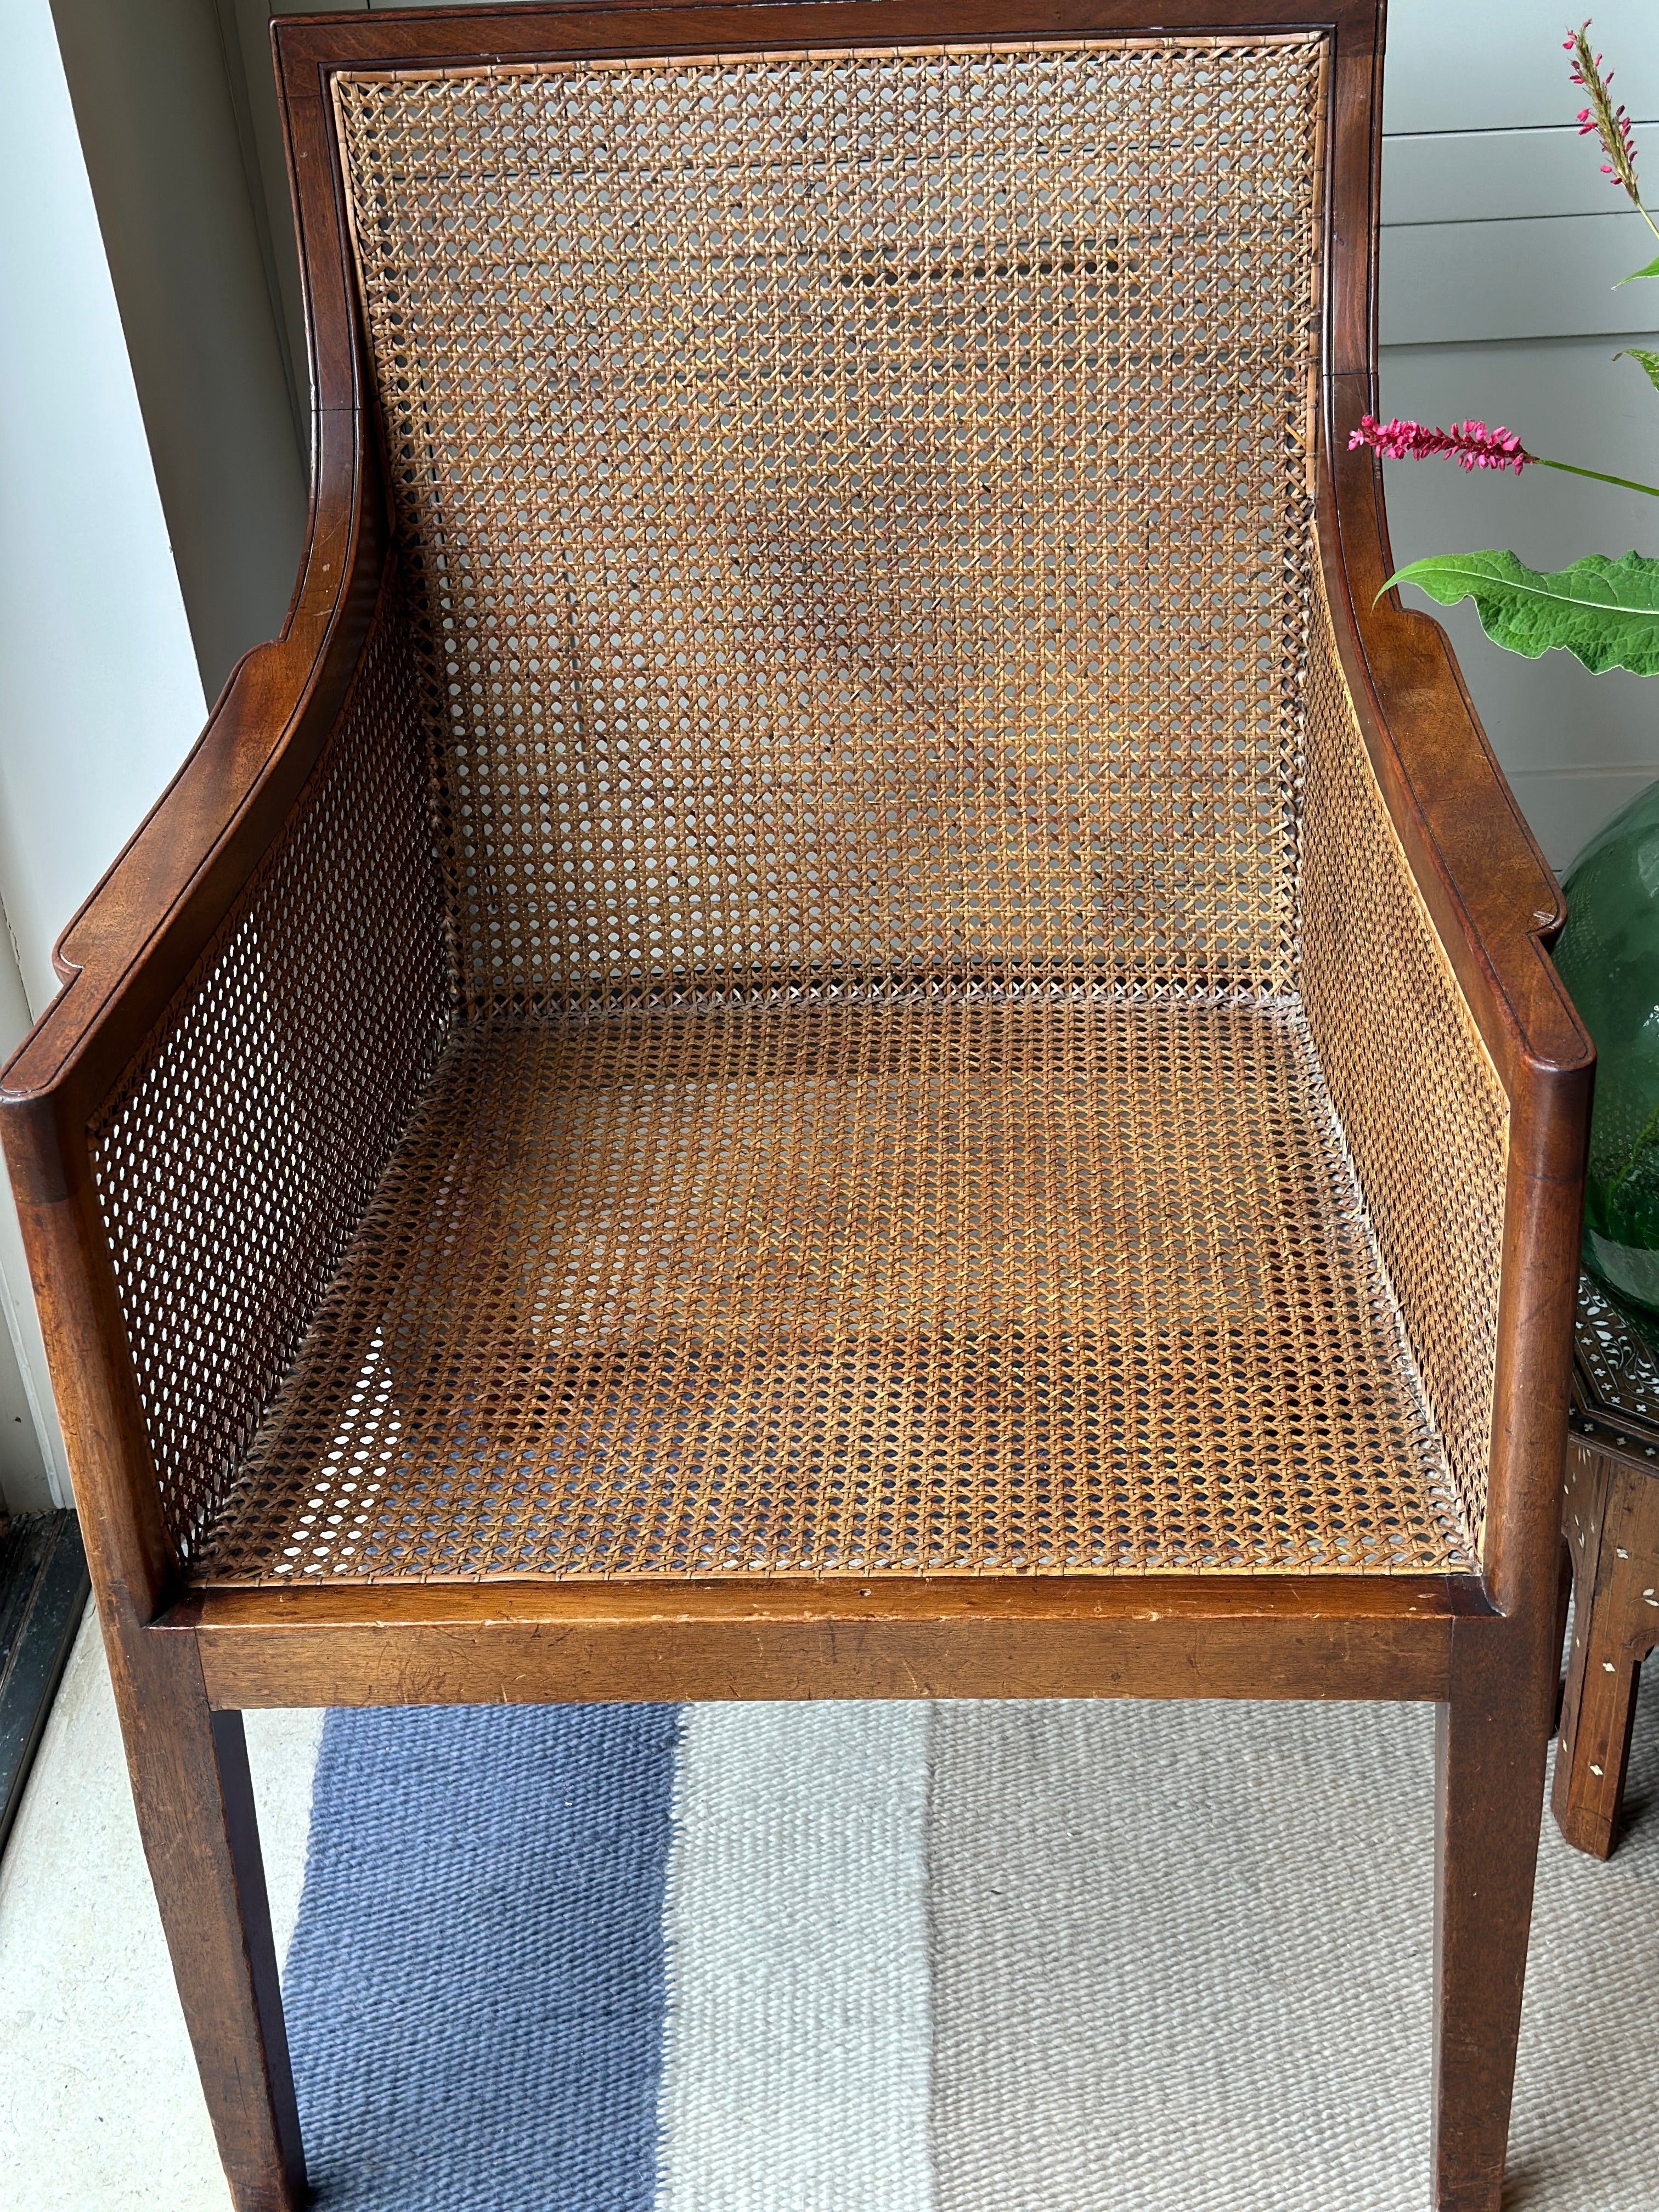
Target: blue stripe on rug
x=476 y=1990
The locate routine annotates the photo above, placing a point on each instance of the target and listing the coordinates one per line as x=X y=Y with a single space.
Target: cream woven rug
x=1181 y=1960
x=1015 y=1958
x=825 y=1958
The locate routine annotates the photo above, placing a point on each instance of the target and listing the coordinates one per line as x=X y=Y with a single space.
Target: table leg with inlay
x=1610 y=1519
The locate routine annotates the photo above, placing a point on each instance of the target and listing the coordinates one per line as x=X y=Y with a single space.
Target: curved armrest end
x=132 y=943
x=1494 y=900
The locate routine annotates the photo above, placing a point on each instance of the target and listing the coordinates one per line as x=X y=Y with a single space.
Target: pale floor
x=98 y=2102
x=99 y=2110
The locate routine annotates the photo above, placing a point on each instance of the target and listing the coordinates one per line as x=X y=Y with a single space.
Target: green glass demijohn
x=1608 y=957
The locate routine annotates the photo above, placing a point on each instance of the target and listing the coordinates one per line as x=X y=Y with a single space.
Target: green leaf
x=1652 y=269
x=1605 y=613
x=1648 y=360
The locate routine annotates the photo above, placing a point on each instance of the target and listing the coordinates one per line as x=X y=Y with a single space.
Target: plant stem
x=1625 y=483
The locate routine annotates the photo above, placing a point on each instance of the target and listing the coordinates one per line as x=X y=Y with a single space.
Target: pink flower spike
x=1471 y=445
x=1609 y=122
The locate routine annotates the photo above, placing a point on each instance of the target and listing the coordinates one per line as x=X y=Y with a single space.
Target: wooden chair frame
x=186 y=1662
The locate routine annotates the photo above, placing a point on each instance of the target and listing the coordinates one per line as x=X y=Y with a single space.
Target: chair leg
x=195 y=1801
x=1491 y=1744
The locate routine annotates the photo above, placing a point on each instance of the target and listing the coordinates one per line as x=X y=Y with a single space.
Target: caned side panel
x=1425 y=1115
x=233 y=1162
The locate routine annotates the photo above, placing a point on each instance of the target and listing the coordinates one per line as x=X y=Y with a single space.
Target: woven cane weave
x=859 y=501
x=935 y=1281
x=234 y=1164
x=1412 y=1083
x=885 y=816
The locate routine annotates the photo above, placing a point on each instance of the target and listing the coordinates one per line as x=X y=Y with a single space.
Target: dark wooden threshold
x=43 y=1595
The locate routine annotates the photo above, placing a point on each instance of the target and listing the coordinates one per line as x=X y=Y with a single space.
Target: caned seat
x=957 y=1282
x=840 y=975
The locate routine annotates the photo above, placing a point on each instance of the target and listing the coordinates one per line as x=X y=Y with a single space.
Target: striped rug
x=896 y=1958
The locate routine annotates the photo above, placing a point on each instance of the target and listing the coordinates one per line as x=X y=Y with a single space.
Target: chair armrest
x=1496 y=904
x=1494 y=908
x=129 y=955
x=132 y=942
x=127 y=950
x=194 y=1124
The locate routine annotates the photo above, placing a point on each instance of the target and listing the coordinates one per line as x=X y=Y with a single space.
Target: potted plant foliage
x=1605 y=613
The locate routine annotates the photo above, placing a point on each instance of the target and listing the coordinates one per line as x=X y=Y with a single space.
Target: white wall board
x=1498 y=64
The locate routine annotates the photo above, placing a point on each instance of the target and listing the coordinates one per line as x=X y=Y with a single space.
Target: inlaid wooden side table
x=1611 y=1522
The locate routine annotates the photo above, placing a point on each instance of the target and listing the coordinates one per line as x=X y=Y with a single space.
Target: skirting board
x=43 y=1594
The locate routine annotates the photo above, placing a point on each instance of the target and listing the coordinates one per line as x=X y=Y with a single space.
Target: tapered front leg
x=195 y=1801
x=1491 y=1745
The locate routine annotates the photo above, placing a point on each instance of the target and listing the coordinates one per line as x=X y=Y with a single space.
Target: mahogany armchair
x=843 y=1017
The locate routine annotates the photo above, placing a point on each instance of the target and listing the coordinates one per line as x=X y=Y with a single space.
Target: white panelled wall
x=150 y=377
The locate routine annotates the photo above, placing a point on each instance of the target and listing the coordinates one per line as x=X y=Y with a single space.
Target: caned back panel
x=857 y=506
